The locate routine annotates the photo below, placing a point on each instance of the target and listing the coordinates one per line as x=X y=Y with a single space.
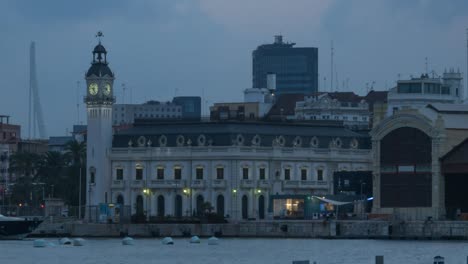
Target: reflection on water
x=234 y=250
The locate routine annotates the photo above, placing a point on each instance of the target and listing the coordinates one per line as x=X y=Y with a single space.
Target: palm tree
x=24 y=166
x=76 y=158
x=52 y=172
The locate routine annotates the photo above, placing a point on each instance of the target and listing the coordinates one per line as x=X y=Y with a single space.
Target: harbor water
x=234 y=250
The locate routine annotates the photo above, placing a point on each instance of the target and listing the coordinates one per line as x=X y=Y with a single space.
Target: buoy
x=40 y=243
x=167 y=241
x=213 y=241
x=128 y=241
x=78 y=242
x=65 y=241
x=195 y=240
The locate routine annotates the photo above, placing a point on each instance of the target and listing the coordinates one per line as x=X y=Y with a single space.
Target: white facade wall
x=233 y=186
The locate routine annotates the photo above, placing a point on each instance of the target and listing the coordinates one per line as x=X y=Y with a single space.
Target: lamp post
x=234 y=195
x=147 y=193
x=79 y=196
x=188 y=193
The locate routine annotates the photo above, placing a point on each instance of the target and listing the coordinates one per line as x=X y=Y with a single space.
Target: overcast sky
x=162 y=48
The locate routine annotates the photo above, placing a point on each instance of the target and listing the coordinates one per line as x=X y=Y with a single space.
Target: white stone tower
x=99 y=100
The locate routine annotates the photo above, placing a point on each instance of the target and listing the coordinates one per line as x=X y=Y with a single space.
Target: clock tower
x=99 y=100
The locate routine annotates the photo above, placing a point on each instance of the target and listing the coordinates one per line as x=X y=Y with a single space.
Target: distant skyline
x=166 y=48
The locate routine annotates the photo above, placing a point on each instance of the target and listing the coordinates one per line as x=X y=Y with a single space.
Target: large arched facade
x=407 y=181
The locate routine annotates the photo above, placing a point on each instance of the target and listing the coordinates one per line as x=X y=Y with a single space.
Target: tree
x=76 y=158
x=24 y=166
x=52 y=173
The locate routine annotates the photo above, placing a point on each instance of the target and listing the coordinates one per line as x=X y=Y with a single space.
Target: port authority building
x=412 y=163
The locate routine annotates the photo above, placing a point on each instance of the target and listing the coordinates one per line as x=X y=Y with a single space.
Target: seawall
x=279 y=229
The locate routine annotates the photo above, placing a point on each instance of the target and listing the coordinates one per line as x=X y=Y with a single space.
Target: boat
x=16 y=227
x=195 y=240
x=167 y=241
x=213 y=241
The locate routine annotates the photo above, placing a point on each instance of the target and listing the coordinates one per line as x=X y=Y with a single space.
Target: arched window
x=139 y=205
x=261 y=207
x=120 y=199
x=220 y=205
x=178 y=206
x=161 y=206
x=200 y=201
x=245 y=207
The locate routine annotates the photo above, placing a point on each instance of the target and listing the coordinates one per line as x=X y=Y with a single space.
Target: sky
x=165 y=48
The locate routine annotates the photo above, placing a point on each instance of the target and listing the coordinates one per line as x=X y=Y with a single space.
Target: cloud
x=267 y=15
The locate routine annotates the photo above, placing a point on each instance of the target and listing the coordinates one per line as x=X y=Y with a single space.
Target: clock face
x=107 y=89
x=93 y=88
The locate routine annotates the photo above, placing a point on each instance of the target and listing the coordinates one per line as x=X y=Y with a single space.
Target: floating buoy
x=128 y=241
x=40 y=243
x=213 y=241
x=167 y=241
x=195 y=240
x=65 y=241
x=78 y=242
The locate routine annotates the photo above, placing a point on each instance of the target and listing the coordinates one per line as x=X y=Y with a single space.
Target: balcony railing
x=218 y=183
x=263 y=183
x=198 y=184
x=137 y=184
x=305 y=184
x=247 y=184
x=118 y=184
x=175 y=184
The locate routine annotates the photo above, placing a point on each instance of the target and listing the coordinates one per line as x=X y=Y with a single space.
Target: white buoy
x=39 y=243
x=195 y=240
x=213 y=241
x=128 y=241
x=65 y=241
x=167 y=241
x=78 y=242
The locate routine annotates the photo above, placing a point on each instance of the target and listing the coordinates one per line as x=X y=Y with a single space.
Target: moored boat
x=16 y=227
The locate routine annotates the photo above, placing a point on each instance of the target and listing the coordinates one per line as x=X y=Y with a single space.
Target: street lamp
x=188 y=193
x=147 y=192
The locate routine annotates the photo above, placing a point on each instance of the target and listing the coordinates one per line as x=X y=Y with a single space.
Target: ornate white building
x=245 y=170
x=354 y=112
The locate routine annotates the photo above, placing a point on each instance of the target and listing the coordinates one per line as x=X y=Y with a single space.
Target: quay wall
x=278 y=229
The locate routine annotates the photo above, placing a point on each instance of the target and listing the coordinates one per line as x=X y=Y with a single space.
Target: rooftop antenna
x=324 y=84
x=123 y=92
x=427 y=71
x=77 y=102
x=466 y=62
x=332 y=54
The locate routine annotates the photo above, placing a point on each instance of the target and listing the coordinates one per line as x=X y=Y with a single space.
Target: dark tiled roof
x=376 y=96
x=223 y=133
x=287 y=102
x=99 y=69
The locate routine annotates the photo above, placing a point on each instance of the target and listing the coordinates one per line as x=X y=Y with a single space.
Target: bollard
x=379 y=260
x=438 y=260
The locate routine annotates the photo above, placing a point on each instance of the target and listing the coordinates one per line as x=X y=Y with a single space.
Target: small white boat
x=195 y=240
x=78 y=242
x=65 y=241
x=213 y=241
x=39 y=243
x=167 y=241
x=128 y=241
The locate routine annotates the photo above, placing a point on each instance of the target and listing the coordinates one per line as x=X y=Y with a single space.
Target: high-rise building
x=296 y=69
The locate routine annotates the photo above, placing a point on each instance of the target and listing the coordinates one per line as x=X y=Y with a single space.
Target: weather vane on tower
x=99 y=35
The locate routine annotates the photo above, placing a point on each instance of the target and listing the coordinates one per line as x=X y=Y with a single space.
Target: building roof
x=449 y=108
x=223 y=133
x=286 y=102
x=376 y=96
x=99 y=69
x=59 y=141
